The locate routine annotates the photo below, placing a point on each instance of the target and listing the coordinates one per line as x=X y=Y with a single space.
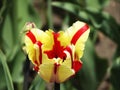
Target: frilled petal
x=32 y=38
x=56 y=55
x=29 y=48
x=78 y=34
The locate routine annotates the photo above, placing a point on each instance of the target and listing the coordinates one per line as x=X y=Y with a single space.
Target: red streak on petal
x=36 y=63
x=36 y=68
x=77 y=65
x=55 y=67
x=79 y=33
x=70 y=51
x=40 y=51
x=31 y=36
x=57 y=50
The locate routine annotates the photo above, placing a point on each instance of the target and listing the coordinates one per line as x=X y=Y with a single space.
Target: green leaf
x=83 y=14
x=2 y=78
x=97 y=6
x=93 y=5
x=101 y=66
x=67 y=6
x=37 y=83
x=22 y=14
x=104 y=3
x=6 y=71
x=115 y=74
x=26 y=13
x=7 y=35
x=67 y=86
x=13 y=52
x=17 y=67
x=109 y=25
x=96 y=22
x=49 y=14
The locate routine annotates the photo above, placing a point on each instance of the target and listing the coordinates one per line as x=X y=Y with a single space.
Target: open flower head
x=56 y=55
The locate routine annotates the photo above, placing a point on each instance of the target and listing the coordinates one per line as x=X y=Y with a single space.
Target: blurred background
x=101 y=60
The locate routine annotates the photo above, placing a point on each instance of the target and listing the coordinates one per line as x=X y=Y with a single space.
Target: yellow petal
x=29 y=48
x=64 y=39
x=46 y=71
x=80 y=43
x=74 y=28
x=68 y=61
x=63 y=73
x=46 y=38
x=64 y=70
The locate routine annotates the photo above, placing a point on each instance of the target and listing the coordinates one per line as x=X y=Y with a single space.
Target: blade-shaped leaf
x=115 y=74
x=37 y=83
x=67 y=6
x=6 y=71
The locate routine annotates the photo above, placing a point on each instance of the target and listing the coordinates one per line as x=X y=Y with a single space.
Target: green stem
x=57 y=86
x=49 y=14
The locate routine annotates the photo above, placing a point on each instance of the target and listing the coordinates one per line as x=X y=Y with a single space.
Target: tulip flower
x=56 y=55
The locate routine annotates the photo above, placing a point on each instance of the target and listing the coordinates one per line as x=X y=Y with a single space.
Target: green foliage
x=37 y=83
x=6 y=71
x=101 y=66
x=15 y=13
x=115 y=74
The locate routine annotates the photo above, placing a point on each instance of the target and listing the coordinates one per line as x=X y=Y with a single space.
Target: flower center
x=57 y=50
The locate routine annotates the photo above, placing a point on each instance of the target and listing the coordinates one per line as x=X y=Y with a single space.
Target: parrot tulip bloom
x=56 y=55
